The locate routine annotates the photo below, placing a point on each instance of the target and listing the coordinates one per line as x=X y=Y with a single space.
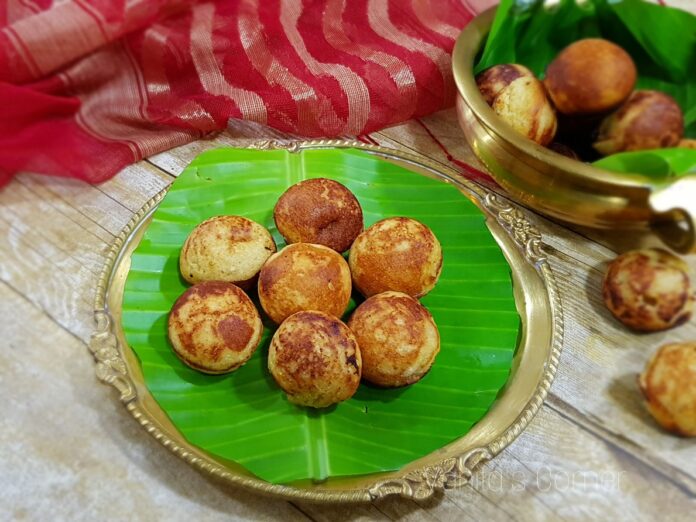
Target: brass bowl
x=560 y=187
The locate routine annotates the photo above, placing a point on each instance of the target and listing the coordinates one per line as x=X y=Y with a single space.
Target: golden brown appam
x=590 y=76
x=647 y=120
x=494 y=79
x=398 y=339
x=301 y=277
x=214 y=327
x=399 y=254
x=226 y=248
x=315 y=359
x=520 y=99
x=319 y=211
x=669 y=386
x=649 y=290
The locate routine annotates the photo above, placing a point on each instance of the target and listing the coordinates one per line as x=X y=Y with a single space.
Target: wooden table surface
x=69 y=450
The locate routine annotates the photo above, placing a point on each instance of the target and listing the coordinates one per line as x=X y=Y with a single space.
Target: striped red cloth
x=88 y=87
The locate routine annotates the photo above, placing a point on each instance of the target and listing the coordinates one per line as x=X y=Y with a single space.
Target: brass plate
x=533 y=368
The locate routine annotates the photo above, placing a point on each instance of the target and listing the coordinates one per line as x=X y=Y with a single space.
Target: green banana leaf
x=658 y=164
x=661 y=40
x=244 y=416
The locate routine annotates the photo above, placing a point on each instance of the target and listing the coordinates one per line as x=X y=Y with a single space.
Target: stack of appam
x=390 y=340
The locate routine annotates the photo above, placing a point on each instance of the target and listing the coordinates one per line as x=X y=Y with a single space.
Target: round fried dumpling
x=399 y=254
x=214 y=327
x=226 y=248
x=319 y=211
x=304 y=277
x=590 y=76
x=648 y=290
x=519 y=98
x=398 y=339
x=647 y=120
x=315 y=359
x=669 y=386
x=493 y=80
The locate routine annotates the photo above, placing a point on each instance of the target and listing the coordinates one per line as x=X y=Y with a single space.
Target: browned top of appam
x=226 y=248
x=301 y=277
x=648 y=290
x=648 y=119
x=399 y=254
x=315 y=359
x=669 y=386
x=320 y=211
x=213 y=326
x=491 y=81
x=398 y=338
x=589 y=76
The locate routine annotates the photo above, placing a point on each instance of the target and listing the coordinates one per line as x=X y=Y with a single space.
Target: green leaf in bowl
x=244 y=416
x=657 y=164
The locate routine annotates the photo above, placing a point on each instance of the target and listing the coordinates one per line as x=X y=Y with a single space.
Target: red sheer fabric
x=88 y=87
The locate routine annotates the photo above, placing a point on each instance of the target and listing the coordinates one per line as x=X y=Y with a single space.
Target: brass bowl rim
x=465 y=50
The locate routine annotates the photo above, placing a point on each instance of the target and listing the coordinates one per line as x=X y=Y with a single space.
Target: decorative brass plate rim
x=534 y=366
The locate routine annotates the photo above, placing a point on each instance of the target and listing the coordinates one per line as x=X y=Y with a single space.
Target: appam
x=214 y=327
x=319 y=211
x=649 y=290
x=398 y=339
x=669 y=386
x=304 y=277
x=314 y=358
x=226 y=248
x=398 y=254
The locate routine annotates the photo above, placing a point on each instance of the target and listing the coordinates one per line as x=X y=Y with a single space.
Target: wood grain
x=89 y=460
x=592 y=452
